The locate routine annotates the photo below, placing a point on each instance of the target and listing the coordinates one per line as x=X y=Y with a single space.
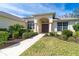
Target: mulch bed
x=9 y=43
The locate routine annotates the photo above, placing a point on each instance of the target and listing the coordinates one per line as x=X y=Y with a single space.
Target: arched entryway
x=44 y=25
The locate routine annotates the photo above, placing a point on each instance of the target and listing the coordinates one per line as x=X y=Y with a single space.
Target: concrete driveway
x=17 y=49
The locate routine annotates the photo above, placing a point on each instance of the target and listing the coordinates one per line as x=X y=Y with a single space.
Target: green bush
x=21 y=31
x=28 y=30
x=32 y=34
x=76 y=27
x=15 y=30
x=15 y=27
x=3 y=36
x=15 y=35
x=28 y=34
x=52 y=34
x=3 y=29
x=35 y=33
x=67 y=33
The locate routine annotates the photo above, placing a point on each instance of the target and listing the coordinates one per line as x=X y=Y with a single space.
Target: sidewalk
x=18 y=48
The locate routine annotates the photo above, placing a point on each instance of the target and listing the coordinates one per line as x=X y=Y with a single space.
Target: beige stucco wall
x=39 y=23
x=52 y=23
x=6 y=22
x=71 y=23
x=70 y=26
x=54 y=26
x=38 y=26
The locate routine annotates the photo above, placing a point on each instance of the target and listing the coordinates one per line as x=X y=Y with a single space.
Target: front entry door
x=45 y=28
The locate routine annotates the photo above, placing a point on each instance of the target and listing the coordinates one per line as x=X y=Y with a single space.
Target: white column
x=50 y=24
x=50 y=27
x=35 y=25
x=26 y=22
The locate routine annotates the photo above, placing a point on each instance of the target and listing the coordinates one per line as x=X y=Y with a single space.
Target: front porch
x=43 y=24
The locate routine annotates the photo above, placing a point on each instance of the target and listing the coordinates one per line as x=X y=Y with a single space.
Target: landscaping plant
x=76 y=27
x=16 y=30
x=21 y=31
x=3 y=29
x=28 y=34
x=46 y=34
x=15 y=35
x=67 y=33
x=15 y=27
x=3 y=36
x=52 y=34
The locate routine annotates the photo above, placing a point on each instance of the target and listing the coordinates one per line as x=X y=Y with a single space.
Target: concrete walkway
x=18 y=48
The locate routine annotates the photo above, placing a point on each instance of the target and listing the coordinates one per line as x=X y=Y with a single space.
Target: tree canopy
x=76 y=12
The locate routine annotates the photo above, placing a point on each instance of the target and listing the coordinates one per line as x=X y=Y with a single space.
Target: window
x=59 y=26
x=30 y=24
x=65 y=25
x=62 y=26
x=76 y=22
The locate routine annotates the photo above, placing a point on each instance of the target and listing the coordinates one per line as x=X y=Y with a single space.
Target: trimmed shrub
x=76 y=27
x=35 y=33
x=28 y=34
x=3 y=36
x=10 y=35
x=15 y=27
x=52 y=34
x=3 y=29
x=71 y=39
x=15 y=35
x=21 y=31
x=29 y=30
x=16 y=30
x=67 y=33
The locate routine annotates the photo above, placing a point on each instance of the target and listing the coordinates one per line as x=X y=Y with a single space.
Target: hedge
x=67 y=33
x=3 y=29
x=15 y=35
x=3 y=36
x=28 y=35
x=76 y=27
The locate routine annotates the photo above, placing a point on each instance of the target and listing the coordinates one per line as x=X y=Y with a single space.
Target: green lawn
x=51 y=46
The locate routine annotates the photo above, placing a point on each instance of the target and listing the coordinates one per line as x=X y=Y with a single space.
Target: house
x=7 y=20
x=43 y=23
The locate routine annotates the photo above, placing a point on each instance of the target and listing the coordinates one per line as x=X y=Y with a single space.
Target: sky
x=28 y=9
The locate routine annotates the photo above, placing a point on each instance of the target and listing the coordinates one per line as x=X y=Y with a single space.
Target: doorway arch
x=43 y=25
